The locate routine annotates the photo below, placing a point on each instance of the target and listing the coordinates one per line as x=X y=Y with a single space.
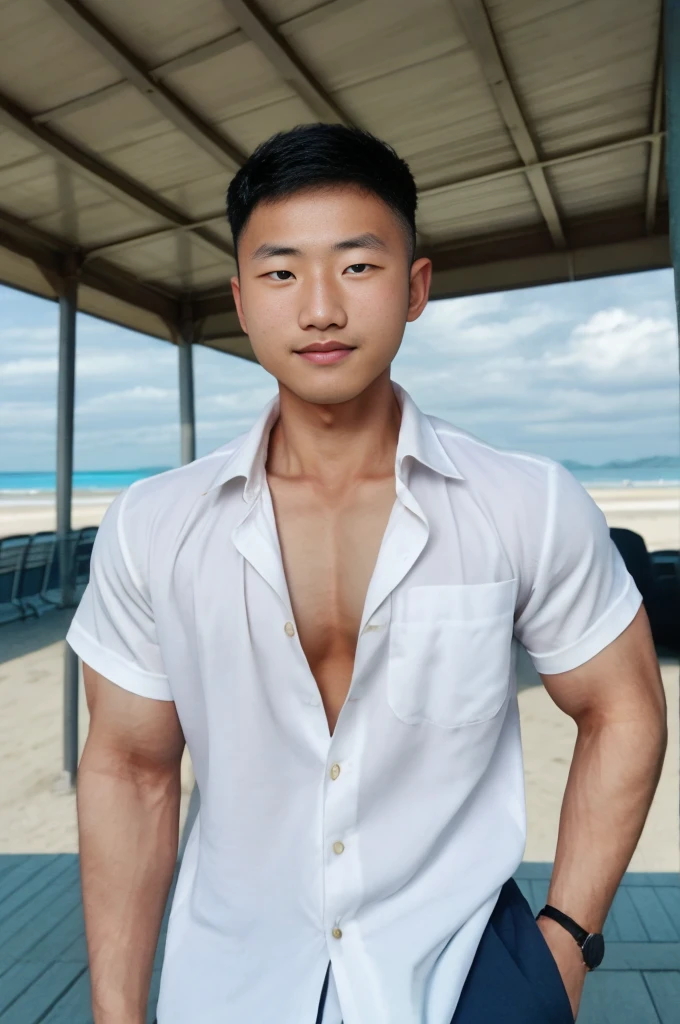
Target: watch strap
x=580 y=934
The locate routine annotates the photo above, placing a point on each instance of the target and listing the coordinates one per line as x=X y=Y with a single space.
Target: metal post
x=188 y=454
x=672 y=73
x=65 y=407
x=65 y=404
x=186 y=390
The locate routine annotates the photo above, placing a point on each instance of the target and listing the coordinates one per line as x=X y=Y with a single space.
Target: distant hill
x=651 y=462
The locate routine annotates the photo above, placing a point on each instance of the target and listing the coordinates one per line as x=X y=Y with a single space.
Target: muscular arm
x=128 y=821
x=618 y=704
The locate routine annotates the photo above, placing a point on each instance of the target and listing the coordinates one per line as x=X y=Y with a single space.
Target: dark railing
x=30 y=571
x=657 y=577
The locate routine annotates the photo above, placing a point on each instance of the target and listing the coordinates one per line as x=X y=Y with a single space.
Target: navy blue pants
x=514 y=978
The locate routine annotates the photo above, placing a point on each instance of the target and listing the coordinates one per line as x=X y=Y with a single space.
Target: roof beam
x=185 y=60
x=553 y=161
x=475 y=21
x=50 y=254
x=579 y=264
x=654 y=165
x=281 y=55
x=454 y=185
x=150 y=236
x=192 y=58
x=113 y=182
x=224 y=152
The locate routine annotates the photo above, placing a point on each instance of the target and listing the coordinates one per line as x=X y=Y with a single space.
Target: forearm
x=612 y=780
x=128 y=823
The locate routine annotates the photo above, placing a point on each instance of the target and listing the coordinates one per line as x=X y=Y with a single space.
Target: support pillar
x=186 y=389
x=188 y=454
x=65 y=409
x=672 y=77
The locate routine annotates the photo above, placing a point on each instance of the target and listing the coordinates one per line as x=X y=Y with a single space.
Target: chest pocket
x=450 y=650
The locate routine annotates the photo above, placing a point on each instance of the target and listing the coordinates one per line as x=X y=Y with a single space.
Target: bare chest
x=329 y=549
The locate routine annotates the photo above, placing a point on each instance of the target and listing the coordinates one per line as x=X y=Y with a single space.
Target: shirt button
x=337 y=934
x=335 y=771
x=290 y=629
x=338 y=847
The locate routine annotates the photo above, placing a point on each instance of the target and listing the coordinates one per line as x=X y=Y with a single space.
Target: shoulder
x=534 y=501
x=494 y=469
x=192 y=479
x=150 y=514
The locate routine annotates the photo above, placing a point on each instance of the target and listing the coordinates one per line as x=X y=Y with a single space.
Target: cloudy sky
x=585 y=371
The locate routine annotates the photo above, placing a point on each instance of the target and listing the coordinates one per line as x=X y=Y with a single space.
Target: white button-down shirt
x=383 y=847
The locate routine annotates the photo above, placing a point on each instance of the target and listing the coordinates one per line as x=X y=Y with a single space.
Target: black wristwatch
x=591 y=943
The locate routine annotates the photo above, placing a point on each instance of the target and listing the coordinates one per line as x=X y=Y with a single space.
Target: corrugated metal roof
x=534 y=129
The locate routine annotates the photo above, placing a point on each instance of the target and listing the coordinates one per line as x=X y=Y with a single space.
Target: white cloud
x=19 y=414
x=9 y=335
x=464 y=328
x=129 y=397
x=29 y=367
x=622 y=344
x=88 y=364
x=249 y=401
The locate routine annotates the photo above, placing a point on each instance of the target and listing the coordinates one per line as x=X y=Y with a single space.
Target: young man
x=327 y=610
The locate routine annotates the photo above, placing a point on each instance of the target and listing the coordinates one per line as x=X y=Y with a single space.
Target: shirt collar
x=417 y=440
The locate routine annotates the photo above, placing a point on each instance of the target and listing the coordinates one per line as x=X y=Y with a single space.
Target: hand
x=568 y=957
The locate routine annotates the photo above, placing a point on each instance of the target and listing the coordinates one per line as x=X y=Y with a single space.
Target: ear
x=236 y=292
x=419 y=287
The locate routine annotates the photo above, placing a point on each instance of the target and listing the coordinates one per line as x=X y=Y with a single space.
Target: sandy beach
x=35 y=817
x=30 y=515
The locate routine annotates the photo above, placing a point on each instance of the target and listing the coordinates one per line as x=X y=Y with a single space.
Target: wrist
x=115 y=1012
x=566 y=935
x=557 y=934
x=119 y=1018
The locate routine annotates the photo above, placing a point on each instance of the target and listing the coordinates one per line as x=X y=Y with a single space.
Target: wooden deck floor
x=43 y=962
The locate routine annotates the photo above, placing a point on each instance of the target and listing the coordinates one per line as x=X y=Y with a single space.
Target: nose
x=321 y=303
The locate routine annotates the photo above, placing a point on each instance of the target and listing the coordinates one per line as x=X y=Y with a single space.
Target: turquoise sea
x=659 y=471
x=12 y=484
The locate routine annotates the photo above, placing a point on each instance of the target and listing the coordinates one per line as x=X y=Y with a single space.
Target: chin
x=334 y=390
x=330 y=394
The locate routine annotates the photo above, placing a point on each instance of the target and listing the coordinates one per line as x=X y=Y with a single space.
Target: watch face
x=593 y=950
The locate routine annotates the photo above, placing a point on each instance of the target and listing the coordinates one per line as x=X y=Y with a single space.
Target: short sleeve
x=113 y=629
x=582 y=596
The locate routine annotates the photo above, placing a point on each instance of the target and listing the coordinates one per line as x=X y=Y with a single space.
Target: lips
x=324 y=346
x=325 y=353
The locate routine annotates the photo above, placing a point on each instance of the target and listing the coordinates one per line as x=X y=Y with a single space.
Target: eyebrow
x=366 y=241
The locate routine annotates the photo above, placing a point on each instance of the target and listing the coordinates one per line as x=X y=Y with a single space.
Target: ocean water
x=28 y=484
x=30 y=487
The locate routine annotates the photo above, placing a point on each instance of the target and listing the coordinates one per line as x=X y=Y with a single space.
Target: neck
x=336 y=444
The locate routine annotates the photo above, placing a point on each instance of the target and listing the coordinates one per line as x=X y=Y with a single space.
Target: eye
x=280 y=272
x=361 y=266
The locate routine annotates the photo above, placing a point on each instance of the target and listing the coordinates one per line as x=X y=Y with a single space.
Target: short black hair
x=311 y=156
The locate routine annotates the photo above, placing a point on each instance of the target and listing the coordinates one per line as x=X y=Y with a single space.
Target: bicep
x=126 y=728
x=621 y=681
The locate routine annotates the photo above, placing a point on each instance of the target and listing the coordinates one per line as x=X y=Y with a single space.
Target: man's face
x=327 y=266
